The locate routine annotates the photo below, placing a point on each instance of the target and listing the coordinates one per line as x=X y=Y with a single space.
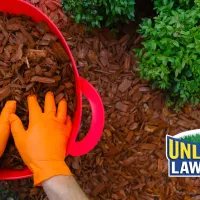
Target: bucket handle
x=9 y=174
x=98 y=116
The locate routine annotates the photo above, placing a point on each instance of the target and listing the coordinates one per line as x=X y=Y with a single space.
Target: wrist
x=44 y=170
x=63 y=187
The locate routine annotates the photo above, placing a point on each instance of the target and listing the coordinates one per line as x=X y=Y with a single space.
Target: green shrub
x=94 y=13
x=170 y=57
x=168 y=5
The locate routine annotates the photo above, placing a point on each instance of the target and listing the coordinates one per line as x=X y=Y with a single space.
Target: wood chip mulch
x=129 y=163
x=32 y=61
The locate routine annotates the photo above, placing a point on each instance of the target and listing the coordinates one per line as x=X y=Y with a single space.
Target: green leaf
x=191 y=46
x=118 y=10
x=177 y=87
x=77 y=18
x=153 y=45
x=188 y=73
x=165 y=2
x=176 y=43
x=169 y=28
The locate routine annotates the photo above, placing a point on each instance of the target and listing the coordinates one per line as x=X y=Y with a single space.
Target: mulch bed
x=129 y=161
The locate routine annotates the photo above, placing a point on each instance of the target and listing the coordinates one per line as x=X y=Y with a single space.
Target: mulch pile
x=32 y=61
x=129 y=163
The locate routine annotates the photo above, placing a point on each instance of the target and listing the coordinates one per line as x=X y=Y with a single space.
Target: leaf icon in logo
x=192 y=138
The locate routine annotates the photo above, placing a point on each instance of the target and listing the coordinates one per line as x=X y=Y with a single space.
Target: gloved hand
x=8 y=109
x=43 y=145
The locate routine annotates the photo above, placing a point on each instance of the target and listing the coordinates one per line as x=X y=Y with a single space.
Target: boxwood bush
x=170 y=57
x=167 y=5
x=95 y=13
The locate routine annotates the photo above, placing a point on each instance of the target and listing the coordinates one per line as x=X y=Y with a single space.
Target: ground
x=129 y=161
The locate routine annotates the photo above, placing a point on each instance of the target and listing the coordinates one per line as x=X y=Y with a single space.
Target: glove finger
x=69 y=124
x=9 y=108
x=62 y=111
x=4 y=135
x=17 y=127
x=33 y=107
x=50 y=105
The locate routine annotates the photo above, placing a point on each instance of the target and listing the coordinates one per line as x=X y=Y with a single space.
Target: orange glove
x=43 y=145
x=8 y=109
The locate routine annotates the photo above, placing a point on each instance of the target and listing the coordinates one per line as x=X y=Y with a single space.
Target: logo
x=183 y=154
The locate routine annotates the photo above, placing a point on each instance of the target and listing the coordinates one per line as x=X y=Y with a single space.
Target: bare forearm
x=63 y=188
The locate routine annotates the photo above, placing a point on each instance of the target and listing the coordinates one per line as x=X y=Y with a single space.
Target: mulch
x=39 y=64
x=129 y=162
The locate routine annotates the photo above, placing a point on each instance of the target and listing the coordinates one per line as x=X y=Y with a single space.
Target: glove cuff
x=47 y=169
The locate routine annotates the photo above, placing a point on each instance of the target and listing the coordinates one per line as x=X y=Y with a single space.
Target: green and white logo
x=183 y=154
